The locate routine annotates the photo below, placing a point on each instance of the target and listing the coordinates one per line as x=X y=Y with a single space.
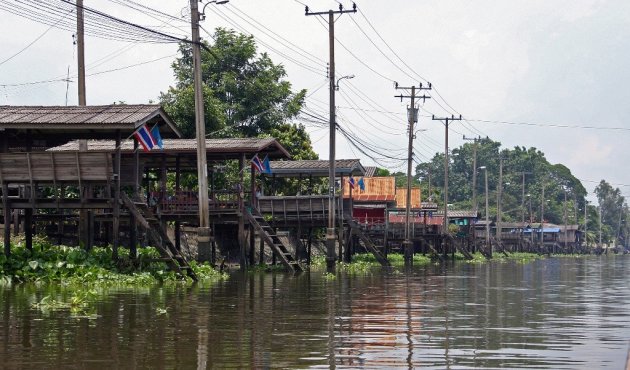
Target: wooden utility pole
x=446 y=162
x=412 y=115
x=330 y=231
x=475 y=141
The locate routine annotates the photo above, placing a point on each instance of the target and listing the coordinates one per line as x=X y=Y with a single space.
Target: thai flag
x=257 y=164
x=351 y=182
x=144 y=137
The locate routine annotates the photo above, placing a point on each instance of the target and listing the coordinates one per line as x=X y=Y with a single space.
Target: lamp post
x=485 y=172
x=200 y=130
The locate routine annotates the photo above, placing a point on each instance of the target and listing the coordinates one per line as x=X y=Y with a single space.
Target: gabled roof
x=316 y=168
x=86 y=119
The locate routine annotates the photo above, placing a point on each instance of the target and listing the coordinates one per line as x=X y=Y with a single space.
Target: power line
x=34 y=41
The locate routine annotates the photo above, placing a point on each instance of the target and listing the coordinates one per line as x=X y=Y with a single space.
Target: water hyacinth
x=75 y=266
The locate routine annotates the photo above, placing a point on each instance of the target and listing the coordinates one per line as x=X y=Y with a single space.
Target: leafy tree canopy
x=245 y=94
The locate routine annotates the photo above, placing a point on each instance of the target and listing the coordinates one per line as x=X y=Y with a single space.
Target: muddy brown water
x=557 y=313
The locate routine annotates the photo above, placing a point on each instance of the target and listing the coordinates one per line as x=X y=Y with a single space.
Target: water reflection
x=554 y=313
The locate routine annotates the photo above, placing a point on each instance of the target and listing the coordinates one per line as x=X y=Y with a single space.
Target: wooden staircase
x=498 y=246
x=459 y=247
x=145 y=217
x=277 y=246
x=367 y=242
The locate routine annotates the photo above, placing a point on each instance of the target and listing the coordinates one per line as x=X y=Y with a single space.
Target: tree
x=555 y=177
x=614 y=211
x=245 y=93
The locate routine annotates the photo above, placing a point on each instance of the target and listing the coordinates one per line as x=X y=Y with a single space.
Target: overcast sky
x=544 y=63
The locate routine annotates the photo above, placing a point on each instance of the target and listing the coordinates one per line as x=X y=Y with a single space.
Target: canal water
x=557 y=313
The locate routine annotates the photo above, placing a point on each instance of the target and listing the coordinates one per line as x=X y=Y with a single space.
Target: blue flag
x=266 y=166
x=361 y=184
x=155 y=132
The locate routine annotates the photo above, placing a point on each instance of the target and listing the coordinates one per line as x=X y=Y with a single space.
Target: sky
x=553 y=72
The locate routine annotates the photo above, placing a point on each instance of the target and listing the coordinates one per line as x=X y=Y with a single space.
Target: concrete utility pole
x=499 y=227
x=523 y=197
x=203 y=233
x=475 y=141
x=81 y=53
x=586 y=222
x=330 y=232
x=485 y=171
x=599 y=212
x=412 y=114
x=542 y=217
x=446 y=122
x=565 y=219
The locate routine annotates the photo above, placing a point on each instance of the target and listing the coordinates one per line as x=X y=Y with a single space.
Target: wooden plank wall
x=373 y=186
x=51 y=167
x=401 y=198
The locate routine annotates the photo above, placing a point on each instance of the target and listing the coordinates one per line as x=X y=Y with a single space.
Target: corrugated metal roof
x=459 y=213
x=318 y=168
x=370 y=171
x=94 y=117
x=231 y=145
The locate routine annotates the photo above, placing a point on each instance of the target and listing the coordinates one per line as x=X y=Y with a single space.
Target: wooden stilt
x=261 y=256
x=178 y=231
x=242 y=210
x=28 y=228
x=252 y=233
x=133 y=228
x=7 y=220
x=310 y=246
x=116 y=209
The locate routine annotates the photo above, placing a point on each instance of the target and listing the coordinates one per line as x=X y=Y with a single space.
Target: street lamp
x=202 y=15
x=349 y=77
x=485 y=171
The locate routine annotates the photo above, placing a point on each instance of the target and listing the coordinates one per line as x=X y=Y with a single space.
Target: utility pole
x=330 y=231
x=523 y=197
x=446 y=122
x=586 y=222
x=475 y=140
x=599 y=211
x=81 y=53
x=488 y=244
x=412 y=114
x=499 y=227
x=565 y=218
x=542 y=217
x=203 y=233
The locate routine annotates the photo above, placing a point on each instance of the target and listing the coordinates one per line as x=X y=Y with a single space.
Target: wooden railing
x=186 y=201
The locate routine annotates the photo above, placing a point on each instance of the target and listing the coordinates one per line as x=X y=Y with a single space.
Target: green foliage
x=245 y=93
x=554 y=177
x=75 y=267
x=614 y=213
